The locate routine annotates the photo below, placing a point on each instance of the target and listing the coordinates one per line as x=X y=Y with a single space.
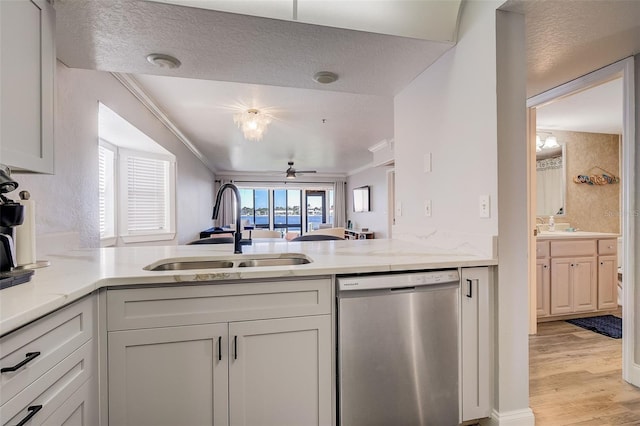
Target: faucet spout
x=237 y=249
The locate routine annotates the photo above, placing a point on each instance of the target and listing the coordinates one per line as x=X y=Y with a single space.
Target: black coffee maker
x=11 y=215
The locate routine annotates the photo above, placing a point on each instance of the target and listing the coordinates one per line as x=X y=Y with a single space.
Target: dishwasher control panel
x=371 y=282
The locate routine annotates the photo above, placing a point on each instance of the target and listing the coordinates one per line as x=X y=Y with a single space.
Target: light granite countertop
x=80 y=272
x=560 y=235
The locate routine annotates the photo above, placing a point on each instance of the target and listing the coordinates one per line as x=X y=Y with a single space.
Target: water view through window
x=286 y=209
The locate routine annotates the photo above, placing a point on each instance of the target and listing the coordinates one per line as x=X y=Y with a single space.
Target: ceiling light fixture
x=325 y=77
x=253 y=123
x=548 y=143
x=163 y=61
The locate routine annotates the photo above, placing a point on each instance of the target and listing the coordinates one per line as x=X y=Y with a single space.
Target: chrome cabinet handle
x=30 y=356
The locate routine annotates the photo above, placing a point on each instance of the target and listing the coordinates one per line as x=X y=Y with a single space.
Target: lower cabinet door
x=607 y=282
x=543 y=288
x=169 y=376
x=585 y=286
x=475 y=344
x=280 y=372
x=561 y=286
x=79 y=410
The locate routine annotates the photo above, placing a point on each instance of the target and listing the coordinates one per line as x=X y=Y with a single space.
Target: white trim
x=361 y=169
x=523 y=417
x=134 y=87
x=142 y=238
x=630 y=370
x=108 y=241
x=380 y=145
x=625 y=69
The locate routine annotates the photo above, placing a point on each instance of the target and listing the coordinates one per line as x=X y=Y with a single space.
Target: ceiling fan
x=291 y=172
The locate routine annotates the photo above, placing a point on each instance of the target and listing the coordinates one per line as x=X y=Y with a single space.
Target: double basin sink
x=284 y=259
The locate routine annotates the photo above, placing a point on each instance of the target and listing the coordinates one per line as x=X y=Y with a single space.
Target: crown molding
x=132 y=85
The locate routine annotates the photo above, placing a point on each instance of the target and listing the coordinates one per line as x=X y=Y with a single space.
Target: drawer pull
x=29 y=357
x=545 y=266
x=219 y=348
x=33 y=410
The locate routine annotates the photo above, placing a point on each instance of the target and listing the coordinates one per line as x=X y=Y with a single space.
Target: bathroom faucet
x=216 y=210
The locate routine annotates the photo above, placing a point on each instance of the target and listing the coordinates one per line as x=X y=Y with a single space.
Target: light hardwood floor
x=575 y=378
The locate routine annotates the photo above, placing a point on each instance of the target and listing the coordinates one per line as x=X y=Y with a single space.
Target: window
x=146 y=194
x=106 y=187
x=136 y=184
x=255 y=207
x=283 y=208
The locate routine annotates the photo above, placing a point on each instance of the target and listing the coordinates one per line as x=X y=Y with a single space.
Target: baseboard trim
x=511 y=418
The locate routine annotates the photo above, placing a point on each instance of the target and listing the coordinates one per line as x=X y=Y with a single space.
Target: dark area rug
x=607 y=325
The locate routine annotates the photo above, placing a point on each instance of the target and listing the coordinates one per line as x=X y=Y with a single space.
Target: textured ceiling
x=570 y=38
x=565 y=39
x=230 y=61
x=117 y=35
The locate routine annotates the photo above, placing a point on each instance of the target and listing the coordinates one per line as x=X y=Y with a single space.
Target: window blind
x=147 y=194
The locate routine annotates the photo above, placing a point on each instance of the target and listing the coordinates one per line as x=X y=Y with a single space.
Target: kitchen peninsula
x=145 y=320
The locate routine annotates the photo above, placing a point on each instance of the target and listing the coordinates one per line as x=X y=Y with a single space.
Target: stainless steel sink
x=276 y=261
x=284 y=259
x=196 y=264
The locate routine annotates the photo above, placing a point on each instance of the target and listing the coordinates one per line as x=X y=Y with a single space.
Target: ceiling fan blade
x=306 y=171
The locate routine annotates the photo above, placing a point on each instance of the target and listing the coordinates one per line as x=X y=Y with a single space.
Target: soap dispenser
x=552 y=224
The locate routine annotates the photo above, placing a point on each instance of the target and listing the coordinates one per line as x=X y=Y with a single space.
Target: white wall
x=450 y=111
x=67 y=202
x=376 y=219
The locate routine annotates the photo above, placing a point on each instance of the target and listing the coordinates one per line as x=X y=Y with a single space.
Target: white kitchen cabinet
x=169 y=376
x=45 y=363
x=27 y=83
x=79 y=410
x=475 y=344
x=280 y=372
x=241 y=353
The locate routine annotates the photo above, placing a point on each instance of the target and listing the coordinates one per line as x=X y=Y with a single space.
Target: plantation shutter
x=147 y=195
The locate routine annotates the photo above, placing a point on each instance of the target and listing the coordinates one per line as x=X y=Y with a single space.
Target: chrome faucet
x=216 y=210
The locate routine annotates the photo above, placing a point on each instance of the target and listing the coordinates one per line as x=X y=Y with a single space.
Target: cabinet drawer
x=51 y=390
x=54 y=337
x=573 y=248
x=186 y=305
x=607 y=246
x=542 y=249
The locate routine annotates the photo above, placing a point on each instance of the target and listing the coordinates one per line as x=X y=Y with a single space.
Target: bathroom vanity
x=576 y=274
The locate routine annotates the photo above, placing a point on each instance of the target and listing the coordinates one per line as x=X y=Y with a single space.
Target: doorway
x=624 y=71
x=316 y=209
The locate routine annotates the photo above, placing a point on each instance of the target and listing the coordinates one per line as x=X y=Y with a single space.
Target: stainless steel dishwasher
x=398 y=349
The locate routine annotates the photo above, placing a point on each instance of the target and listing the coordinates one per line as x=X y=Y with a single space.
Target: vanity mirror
x=551 y=181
